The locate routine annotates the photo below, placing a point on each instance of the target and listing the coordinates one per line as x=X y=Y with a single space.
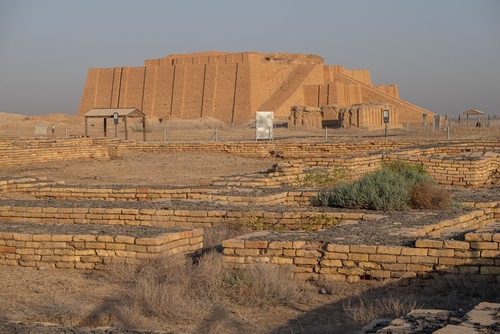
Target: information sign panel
x=264 y=125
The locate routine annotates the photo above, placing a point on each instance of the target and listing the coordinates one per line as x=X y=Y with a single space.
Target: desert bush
x=263 y=284
x=179 y=290
x=457 y=291
x=320 y=178
x=405 y=169
x=174 y=288
x=429 y=196
x=386 y=189
x=360 y=310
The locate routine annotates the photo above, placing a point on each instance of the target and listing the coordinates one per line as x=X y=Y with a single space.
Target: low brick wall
x=24 y=184
x=166 y=218
x=467 y=170
x=476 y=169
x=41 y=190
x=478 y=254
x=252 y=149
x=23 y=152
x=91 y=251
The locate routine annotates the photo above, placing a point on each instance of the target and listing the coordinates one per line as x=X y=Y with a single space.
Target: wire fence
x=194 y=130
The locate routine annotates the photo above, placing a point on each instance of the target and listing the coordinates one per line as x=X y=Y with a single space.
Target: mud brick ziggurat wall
x=233 y=86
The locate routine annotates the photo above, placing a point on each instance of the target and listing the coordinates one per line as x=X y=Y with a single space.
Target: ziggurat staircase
x=288 y=88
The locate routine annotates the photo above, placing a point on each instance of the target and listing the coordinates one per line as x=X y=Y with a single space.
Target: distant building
x=233 y=86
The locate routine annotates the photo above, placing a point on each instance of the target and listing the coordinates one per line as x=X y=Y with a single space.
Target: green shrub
x=321 y=178
x=387 y=189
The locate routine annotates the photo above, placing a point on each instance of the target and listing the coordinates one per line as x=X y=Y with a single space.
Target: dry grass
x=180 y=290
x=454 y=291
x=263 y=284
x=428 y=196
x=361 y=310
x=173 y=288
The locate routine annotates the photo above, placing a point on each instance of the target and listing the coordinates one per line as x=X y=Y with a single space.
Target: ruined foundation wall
x=314 y=259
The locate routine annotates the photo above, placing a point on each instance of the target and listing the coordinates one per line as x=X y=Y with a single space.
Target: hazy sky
x=443 y=54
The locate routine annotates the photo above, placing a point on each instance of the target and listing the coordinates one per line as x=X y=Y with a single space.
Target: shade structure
x=124 y=113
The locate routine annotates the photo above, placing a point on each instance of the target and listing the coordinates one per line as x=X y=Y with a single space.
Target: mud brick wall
x=165 y=218
x=247 y=149
x=17 y=153
x=56 y=191
x=473 y=170
x=478 y=254
x=91 y=251
x=25 y=184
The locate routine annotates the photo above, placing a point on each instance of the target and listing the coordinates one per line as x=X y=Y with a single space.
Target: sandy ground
x=136 y=168
x=90 y=298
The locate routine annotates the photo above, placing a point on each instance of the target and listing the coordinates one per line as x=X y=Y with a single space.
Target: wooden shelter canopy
x=123 y=113
x=479 y=116
x=473 y=112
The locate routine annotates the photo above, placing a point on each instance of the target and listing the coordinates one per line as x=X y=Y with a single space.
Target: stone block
x=414 y=251
x=369 y=265
x=467 y=254
x=483 y=245
x=124 y=239
x=389 y=250
x=233 y=243
x=383 y=258
x=331 y=263
x=305 y=260
x=362 y=249
x=490 y=253
x=338 y=256
x=337 y=248
x=255 y=244
x=394 y=266
x=247 y=252
x=308 y=253
x=419 y=267
x=425 y=243
x=451 y=261
x=281 y=260
x=441 y=252
x=486 y=270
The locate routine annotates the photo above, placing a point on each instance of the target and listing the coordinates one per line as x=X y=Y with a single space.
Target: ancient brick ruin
x=233 y=86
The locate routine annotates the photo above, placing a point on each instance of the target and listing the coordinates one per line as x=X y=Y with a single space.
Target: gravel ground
x=389 y=229
x=12 y=327
x=77 y=229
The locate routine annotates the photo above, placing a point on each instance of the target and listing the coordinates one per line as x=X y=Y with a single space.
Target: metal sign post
x=53 y=130
x=385 y=114
x=115 y=120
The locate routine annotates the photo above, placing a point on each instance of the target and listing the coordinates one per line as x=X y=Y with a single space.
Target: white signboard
x=40 y=130
x=264 y=125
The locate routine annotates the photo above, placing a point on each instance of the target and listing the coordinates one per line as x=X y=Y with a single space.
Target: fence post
x=164 y=134
x=407 y=127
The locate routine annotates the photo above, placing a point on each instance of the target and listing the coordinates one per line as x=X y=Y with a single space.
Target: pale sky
x=443 y=54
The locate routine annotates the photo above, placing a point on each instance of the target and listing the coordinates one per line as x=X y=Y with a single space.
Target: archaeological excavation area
x=52 y=223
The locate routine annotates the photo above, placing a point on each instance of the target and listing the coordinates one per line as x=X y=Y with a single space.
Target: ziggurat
x=233 y=86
